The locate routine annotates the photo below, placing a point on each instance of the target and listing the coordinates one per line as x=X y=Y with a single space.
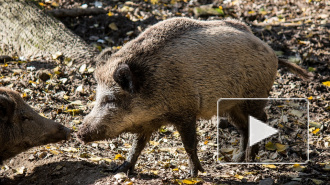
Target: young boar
x=174 y=73
x=22 y=128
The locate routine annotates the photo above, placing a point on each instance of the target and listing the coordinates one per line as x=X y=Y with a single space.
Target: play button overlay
x=259 y=131
x=262 y=131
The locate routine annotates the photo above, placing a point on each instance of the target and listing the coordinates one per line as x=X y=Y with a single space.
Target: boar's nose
x=68 y=133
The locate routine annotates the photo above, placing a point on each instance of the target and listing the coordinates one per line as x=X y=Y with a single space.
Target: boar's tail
x=296 y=69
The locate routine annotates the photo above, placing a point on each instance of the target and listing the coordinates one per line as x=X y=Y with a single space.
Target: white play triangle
x=259 y=131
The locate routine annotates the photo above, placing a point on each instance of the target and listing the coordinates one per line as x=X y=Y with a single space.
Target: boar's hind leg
x=139 y=143
x=240 y=120
x=187 y=130
x=256 y=109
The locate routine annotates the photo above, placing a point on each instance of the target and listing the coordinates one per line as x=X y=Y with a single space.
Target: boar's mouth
x=88 y=134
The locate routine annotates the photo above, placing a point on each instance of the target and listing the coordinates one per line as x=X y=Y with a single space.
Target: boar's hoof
x=126 y=167
x=194 y=171
x=239 y=157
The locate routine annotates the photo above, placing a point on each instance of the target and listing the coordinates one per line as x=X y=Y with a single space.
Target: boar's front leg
x=139 y=143
x=187 y=130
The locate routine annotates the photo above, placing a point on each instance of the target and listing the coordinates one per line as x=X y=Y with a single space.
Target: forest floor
x=63 y=90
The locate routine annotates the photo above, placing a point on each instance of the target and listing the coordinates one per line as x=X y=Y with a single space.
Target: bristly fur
x=174 y=73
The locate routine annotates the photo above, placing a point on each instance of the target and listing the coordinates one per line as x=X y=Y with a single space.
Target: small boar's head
x=22 y=128
x=119 y=105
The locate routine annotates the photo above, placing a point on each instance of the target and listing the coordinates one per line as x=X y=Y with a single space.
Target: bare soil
x=64 y=91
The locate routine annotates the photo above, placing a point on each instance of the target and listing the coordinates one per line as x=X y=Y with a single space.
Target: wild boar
x=22 y=128
x=174 y=73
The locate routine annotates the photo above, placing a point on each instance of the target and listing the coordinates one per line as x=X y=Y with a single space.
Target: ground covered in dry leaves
x=62 y=90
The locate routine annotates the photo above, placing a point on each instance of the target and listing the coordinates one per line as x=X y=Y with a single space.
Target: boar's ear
x=7 y=107
x=124 y=77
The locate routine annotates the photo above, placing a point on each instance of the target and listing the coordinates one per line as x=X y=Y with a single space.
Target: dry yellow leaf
x=192 y=180
x=316 y=131
x=110 y=14
x=310 y=98
x=271 y=166
x=24 y=95
x=55 y=4
x=54 y=152
x=153 y=143
x=280 y=147
x=175 y=169
x=298 y=167
x=327 y=83
x=155 y=172
x=119 y=157
x=153 y=1
x=239 y=176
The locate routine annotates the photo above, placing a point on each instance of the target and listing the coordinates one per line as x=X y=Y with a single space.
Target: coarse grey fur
x=174 y=73
x=22 y=128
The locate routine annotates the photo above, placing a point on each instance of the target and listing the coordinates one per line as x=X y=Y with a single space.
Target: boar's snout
x=88 y=134
x=90 y=131
x=57 y=132
x=67 y=132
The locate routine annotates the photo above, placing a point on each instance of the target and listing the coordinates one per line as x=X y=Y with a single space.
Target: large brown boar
x=22 y=128
x=174 y=73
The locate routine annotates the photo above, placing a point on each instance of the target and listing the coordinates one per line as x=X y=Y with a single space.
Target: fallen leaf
x=315 y=124
x=327 y=83
x=270 y=146
x=317 y=181
x=82 y=68
x=271 y=166
x=280 y=147
x=239 y=176
x=58 y=167
x=298 y=167
x=113 y=26
x=192 y=180
x=95 y=159
x=297 y=113
x=70 y=149
x=153 y=143
x=54 y=152
x=316 y=131
x=119 y=157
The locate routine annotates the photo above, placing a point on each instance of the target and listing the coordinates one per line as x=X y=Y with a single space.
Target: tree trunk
x=26 y=31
